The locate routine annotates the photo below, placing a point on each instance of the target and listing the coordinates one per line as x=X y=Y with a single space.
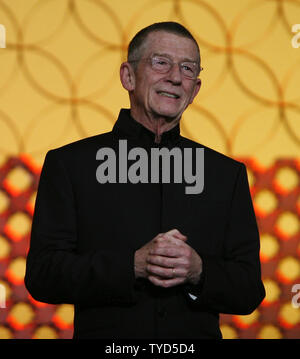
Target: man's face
x=164 y=94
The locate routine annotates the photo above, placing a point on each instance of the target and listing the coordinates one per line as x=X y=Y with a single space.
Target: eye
x=160 y=61
x=187 y=68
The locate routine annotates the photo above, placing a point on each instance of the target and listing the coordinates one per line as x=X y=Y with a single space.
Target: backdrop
x=59 y=82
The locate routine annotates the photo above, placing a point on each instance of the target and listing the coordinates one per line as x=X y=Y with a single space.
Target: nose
x=174 y=74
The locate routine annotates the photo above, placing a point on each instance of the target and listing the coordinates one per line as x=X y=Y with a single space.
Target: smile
x=168 y=94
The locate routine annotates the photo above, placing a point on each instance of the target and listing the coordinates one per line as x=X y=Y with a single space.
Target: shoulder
x=221 y=172
x=214 y=158
x=78 y=156
x=85 y=144
x=83 y=147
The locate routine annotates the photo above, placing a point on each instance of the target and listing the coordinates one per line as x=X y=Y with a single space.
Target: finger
x=163 y=261
x=167 y=272
x=160 y=271
x=165 y=283
x=168 y=239
x=175 y=233
x=166 y=250
x=171 y=248
x=158 y=236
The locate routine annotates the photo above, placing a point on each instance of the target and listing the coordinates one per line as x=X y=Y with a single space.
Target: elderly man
x=138 y=255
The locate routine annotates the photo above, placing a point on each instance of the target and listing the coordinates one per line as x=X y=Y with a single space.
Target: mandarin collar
x=127 y=127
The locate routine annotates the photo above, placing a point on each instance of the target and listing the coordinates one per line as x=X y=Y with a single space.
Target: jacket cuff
x=195 y=290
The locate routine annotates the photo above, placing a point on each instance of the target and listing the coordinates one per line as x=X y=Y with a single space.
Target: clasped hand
x=167 y=260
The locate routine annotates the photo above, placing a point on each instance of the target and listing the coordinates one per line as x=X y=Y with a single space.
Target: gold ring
x=173 y=271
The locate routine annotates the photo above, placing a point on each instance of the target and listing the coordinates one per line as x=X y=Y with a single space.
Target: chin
x=167 y=114
x=168 y=117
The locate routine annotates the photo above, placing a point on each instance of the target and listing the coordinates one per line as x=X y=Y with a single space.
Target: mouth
x=168 y=94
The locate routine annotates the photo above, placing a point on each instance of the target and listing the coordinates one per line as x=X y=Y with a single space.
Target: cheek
x=141 y=92
x=190 y=91
x=145 y=90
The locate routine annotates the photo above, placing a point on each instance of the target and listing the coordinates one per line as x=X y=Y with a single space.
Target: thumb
x=175 y=233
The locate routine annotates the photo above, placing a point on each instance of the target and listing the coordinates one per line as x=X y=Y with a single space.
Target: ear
x=127 y=76
x=196 y=90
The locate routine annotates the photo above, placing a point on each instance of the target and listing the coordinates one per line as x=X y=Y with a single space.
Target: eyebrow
x=186 y=59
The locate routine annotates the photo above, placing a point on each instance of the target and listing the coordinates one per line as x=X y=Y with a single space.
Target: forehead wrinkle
x=166 y=40
x=171 y=44
x=185 y=59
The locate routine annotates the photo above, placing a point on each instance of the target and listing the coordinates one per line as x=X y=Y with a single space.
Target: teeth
x=168 y=94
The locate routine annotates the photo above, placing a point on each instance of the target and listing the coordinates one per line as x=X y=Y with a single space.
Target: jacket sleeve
x=55 y=271
x=231 y=283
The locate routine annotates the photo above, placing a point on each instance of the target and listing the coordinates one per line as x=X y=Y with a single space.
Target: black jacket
x=84 y=235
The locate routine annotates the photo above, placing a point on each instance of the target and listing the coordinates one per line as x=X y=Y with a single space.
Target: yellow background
x=59 y=77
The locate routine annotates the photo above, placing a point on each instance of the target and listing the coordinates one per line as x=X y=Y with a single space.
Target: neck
x=156 y=124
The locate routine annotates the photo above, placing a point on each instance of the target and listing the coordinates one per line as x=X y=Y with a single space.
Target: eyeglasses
x=163 y=65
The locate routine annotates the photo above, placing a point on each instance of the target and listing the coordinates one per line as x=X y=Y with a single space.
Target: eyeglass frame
x=172 y=63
